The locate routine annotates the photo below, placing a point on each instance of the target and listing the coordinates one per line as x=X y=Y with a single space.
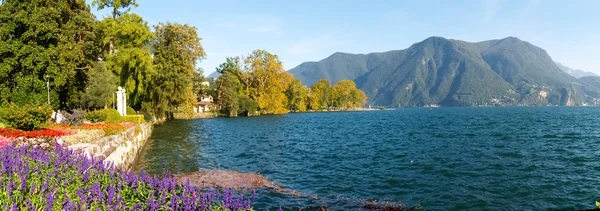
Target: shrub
x=75 y=118
x=130 y=111
x=34 y=179
x=137 y=119
x=112 y=115
x=27 y=117
x=96 y=116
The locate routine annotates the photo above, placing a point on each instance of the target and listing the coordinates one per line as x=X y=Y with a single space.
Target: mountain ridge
x=451 y=72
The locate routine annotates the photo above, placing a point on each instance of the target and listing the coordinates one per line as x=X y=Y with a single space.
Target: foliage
x=101 y=87
x=176 y=50
x=42 y=40
x=75 y=118
x=26 y=117
x=228 y=87
x=116 y=5
x=344 y=95
x=130 y=111
x=247 y=106
x=66 y=180
x=137 y=119
x=270 y=81
x=112 y=115
x=320 y=95
x=97 y=116
x=297 y=95
x=131 y=62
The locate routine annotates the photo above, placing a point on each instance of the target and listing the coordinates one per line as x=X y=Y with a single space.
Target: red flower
x=14 y=133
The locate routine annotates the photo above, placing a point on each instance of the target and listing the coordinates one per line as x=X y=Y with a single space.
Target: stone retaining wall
x=121 y=149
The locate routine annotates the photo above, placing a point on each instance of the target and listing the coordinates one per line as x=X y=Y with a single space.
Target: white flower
x=44 y=145
x=60 y=141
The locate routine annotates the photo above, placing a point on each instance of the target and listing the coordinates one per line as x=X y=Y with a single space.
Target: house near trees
x=205 y=102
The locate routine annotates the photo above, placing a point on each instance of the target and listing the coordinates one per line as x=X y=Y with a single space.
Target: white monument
x=121 y=101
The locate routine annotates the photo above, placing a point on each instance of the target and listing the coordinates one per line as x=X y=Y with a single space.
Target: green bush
x=112 y=115
x=96 y=116
x=137 y=119
x=131 y=111
x=26 y=117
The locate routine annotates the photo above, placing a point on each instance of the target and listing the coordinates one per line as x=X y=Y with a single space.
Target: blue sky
x=310 y=30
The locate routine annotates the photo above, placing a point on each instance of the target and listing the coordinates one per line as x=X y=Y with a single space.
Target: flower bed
x=33 y=179
x=14 y=133
x=84 y=136
x=108 y=128
x=4 y=141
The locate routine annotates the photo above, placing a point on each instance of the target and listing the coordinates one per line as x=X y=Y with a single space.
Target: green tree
x=42 y=38
x=177 y=49
x=119 y=8
x=127 y=36
x=297 y=95
x=320 y=93
x=101 y=87
x=228 y=86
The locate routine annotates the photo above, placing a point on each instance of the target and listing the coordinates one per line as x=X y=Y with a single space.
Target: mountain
x=574 y=72
x=214 y=75
x=450 y=72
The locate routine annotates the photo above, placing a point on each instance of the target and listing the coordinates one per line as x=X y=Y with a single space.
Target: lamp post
x=48 y=87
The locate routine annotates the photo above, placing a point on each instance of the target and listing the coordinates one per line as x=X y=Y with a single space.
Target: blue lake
x=519 y=158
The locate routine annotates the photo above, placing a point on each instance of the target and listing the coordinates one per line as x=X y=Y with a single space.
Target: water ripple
x=440 y=159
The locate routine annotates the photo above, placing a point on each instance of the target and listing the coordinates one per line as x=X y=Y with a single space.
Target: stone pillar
x=121 y=101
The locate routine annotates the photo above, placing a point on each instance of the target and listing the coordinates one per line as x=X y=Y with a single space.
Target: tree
x=320 y=92
x=177 y=49
x=101 y=87
x=297 y=95
x=345 y=95
x=197 y=80
x=270 y=81
x=119 y=8
x=228 y=87
x=45 y=38
x=128 y=36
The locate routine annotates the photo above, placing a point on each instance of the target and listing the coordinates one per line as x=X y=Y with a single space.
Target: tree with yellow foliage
x=270 y=81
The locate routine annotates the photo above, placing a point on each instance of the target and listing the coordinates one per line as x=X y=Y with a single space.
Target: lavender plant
x=75 y=118
x=34 y=179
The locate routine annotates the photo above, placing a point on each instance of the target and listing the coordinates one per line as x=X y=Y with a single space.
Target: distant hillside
x=574 y=72
x=214 y=75
x=448 y=72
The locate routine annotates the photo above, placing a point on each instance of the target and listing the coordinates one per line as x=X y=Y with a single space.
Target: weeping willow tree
x=176 y=50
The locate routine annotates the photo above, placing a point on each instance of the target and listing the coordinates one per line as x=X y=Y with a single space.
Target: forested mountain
x=449 y=72
x=574 y=72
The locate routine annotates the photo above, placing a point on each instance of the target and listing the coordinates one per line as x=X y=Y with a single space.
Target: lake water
x=522 y=158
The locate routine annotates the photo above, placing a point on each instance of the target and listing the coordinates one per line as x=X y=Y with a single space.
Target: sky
x=310 y=30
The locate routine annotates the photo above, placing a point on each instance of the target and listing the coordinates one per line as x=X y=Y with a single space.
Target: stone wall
x=121 y=149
